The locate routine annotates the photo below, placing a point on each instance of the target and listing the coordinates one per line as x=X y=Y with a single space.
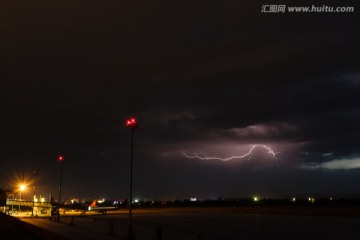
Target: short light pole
x=35 y=173
x=133 y=124
x=22 y=188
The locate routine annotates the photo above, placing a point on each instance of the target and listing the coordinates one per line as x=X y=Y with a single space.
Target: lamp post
x=22 y=188
x=133 y=124
x=35 y=173
x=61 y=160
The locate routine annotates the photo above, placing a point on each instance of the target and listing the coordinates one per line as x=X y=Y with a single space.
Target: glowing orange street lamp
x=133 y=124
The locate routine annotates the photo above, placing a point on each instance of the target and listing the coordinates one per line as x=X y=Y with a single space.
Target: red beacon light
x=131 y=122
x=61 y=158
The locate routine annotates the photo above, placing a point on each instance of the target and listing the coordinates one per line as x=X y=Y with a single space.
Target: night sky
x=205 y=79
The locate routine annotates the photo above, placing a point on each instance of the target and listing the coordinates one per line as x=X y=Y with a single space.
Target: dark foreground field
x=244 y=223
x=12 y=228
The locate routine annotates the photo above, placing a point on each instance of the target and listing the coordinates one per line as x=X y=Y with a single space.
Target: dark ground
x=12 y=228
x=257 y=222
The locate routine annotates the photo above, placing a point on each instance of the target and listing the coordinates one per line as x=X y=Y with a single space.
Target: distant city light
x=293 y=199
x=74 y=200
x=256 y=199
x=193 y=199
x=61 y=158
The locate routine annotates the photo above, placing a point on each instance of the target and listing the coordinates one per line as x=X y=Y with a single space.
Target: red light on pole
x=131 y=122
x=61 y=159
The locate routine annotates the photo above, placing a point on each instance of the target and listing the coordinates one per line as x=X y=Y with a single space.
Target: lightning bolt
x=246 y=156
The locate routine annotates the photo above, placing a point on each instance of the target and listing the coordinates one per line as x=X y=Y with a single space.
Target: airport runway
x=204 y=224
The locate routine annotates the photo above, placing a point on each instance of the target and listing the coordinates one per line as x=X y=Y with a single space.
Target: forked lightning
x=246 y=156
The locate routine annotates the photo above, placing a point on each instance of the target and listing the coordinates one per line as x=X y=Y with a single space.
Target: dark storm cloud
x=299 y=112
x=213 y=75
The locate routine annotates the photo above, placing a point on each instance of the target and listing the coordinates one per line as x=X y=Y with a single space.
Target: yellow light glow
x=22 y=187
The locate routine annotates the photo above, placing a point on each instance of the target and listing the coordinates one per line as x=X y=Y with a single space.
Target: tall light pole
x=133 y=124
x=61 y=160
x=35 y=173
